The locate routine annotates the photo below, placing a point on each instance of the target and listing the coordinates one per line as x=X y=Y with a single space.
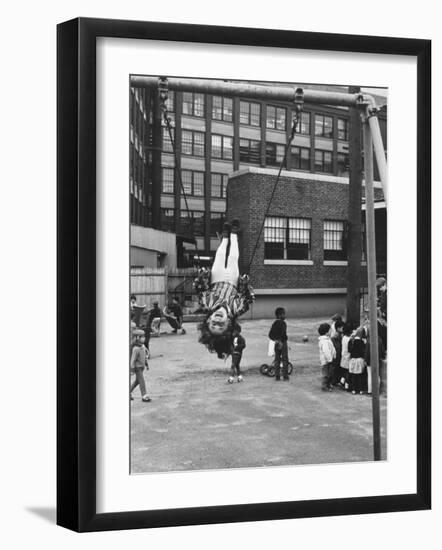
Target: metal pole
x=354 y=248
x=379 y=151
x=371 y=263
x=252 y=91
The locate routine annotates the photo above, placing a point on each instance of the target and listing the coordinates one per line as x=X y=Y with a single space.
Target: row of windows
x=284 y=238
x=193 y=144
x=250 y=152
x=250 y=115
x=290 y=239
x=192 y=222
x=193 y=183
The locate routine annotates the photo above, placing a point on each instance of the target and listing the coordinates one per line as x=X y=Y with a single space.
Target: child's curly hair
x=221 y=345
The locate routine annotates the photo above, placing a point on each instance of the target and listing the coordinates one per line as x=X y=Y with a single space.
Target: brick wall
x=248 y=195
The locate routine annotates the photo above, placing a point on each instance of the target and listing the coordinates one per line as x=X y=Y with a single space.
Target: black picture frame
x=76 y=274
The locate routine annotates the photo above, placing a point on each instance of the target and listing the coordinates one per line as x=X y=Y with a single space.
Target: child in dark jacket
x=336 y=373
x=278 y=333
x=356 y=367
x=238 y=346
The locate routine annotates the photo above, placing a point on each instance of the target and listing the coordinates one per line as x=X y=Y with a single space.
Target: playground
x=197 y=421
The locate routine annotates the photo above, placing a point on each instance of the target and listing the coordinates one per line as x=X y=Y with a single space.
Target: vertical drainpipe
x=207 y=173
x=157 y=140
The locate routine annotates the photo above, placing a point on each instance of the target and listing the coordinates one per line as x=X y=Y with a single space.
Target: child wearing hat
x=138 y=362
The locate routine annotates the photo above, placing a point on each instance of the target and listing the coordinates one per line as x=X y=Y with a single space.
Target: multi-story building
x=181 y=188
x=179 y=178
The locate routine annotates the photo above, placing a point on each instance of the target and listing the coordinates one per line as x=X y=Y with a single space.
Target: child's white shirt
x=327 y=350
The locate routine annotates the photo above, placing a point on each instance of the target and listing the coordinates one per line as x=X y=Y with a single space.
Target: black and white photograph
x=258 y=274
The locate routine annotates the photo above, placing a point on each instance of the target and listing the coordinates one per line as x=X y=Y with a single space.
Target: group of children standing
x=344 y=356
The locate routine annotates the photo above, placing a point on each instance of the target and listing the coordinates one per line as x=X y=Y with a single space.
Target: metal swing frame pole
x=371 y=268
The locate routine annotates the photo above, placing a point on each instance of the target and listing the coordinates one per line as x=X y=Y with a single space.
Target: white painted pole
x=379 y=150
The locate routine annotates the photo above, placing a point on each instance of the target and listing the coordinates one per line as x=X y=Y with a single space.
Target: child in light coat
x=327 y=353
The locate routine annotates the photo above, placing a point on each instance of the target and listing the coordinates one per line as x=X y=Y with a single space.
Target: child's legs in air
x=230 y=272
x=219 y=261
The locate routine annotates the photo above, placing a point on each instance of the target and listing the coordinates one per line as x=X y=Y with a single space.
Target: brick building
x=300 y=258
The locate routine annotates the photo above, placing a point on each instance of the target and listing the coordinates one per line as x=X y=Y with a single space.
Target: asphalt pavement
x=197 y=421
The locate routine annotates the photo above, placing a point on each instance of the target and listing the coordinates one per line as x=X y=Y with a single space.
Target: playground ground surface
x=197 y=421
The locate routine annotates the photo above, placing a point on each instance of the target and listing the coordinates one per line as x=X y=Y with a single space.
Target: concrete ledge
x=281 y=291
x=288 y=262
x=335 y=262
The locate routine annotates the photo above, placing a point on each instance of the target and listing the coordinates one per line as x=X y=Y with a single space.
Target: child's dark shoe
x=226 y=229
x=235 y=226
x=146 y=399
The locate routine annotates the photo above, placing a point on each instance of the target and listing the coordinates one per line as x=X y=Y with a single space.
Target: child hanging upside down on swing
x=224 y=295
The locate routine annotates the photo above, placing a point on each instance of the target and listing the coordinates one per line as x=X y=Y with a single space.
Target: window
x=193 y=183
x=343 y=127
x=168 y=219
x=303 y=126
x=287 y=238
x=222 y=108
x=216 y=223
x=193 y=225
x=335 y=247
x=192 y=143
x=193 y=104
x=249 y=113
x=167 y=144
x=274 y=154
x=301 y=158
x=170 y=101
x=323 y=161
x=167 y=180
x=222 y=147
x=343 y=164
x=250 y=151
x=323 y=126
x=219 y=186
x=275 y=117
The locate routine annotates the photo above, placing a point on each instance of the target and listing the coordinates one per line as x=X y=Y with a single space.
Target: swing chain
x=299 y=105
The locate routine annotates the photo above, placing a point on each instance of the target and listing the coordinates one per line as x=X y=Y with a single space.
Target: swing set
x=372 y=143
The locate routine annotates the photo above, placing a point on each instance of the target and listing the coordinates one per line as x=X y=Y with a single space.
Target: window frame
x=293 y=157
x=285 y=228
x=192 y=183
x=323 y=152
x=241 y=160
x=193 y=134
x=323 y=126
x=335 y=254
x=345 y=130
x=223 y=186
x=223 y=148
x=163 y=170
x=275 y=126
x=249 y=113
x=184 y=221
x=277 y=156
x=193 y=104
x=223 y=109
